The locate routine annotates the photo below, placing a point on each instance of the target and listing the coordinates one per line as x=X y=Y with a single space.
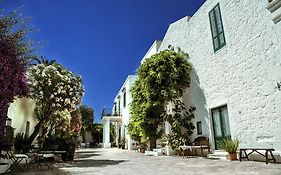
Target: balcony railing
x=108 y=112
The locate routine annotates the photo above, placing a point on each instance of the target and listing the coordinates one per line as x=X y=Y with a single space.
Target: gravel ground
x=121 y=162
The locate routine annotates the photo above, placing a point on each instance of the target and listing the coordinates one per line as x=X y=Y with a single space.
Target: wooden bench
x=257 y=150
x=201 y=143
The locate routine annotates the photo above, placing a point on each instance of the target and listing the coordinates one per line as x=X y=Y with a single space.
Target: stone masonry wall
x=242 y=75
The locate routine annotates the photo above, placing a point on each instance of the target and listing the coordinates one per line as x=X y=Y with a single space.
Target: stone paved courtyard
x=122 y=162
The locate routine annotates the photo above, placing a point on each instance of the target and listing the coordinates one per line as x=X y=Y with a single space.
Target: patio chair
x=42 y=157
x=16 y=161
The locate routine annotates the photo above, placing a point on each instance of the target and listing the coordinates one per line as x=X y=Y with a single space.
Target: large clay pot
x=142 y=150
x=233 y=156
x=69 y=155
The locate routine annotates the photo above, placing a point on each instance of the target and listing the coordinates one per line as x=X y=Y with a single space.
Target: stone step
x=218 y=154
x=157 y=150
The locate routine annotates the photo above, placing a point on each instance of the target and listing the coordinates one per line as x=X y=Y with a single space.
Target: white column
x=106 y=133
x=117 y=133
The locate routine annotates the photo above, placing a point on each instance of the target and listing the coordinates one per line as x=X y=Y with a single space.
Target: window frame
x=216 y=28
x=124 y=98
x=199 y=129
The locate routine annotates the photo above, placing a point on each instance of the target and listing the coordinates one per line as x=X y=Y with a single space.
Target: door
x=221 y=125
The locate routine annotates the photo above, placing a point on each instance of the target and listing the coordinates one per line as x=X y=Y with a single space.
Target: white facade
x=152 y=50
x=237 y=84
x=242 y=75
x=21 y=114
x=121 y=106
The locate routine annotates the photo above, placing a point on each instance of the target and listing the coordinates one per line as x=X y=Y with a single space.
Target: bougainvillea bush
x=14 y=53
x=54 y=88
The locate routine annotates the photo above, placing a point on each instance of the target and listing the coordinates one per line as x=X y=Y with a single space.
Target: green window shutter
x=217 y=28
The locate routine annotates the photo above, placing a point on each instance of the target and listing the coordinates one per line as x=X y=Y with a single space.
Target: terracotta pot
x=142 y=150
x=233 y=156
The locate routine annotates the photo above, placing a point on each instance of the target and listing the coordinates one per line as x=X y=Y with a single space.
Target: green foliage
x=180 y=119
x=87 y=116
x=112 y=132
x=97 y=133
x=122 y=142
x=229 y=145
x=20 y=143
x=53 y=139
x=87 y=120
x=163 y=77
x=63 y=140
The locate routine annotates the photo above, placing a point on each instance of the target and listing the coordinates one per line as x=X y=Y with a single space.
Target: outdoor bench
x=257 y=150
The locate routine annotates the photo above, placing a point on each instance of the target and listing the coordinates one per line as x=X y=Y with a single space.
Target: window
x=217 y=28
x=119 y=106
x=124 y=99
x=199 y=128
x=115 y=108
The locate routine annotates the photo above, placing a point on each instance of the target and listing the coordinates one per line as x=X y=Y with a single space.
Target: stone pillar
x=129 y=142
x=117 y=133
x=106 y=133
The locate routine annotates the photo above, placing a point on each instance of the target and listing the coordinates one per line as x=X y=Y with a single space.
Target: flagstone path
x=121 y=162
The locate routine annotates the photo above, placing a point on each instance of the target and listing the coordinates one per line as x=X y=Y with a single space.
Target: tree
x=54 y=88
x=97 y=133
x=87 y=119
x=162 y=78
x=15 y=50
x=76 y=122
x=180 y=119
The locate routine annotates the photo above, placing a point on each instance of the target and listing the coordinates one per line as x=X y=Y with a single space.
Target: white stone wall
x=152 y=50
x=21 y=111
x=242 y=75
x=125 y=110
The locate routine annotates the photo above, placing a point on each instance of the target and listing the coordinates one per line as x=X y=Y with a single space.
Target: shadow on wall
x=197 y=98
x=26 y=106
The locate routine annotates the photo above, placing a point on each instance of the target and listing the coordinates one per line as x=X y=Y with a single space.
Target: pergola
x=106 y=120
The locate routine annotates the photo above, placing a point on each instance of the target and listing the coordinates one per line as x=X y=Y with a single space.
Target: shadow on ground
x=85 y=155
x=91 y=163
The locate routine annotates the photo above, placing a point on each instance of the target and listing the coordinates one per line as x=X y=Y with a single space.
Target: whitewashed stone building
x=235 y=49
x=119 y=115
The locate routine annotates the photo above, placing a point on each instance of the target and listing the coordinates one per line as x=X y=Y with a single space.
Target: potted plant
x=20 y=143
x=122 y=143
x=69 y=143
x=51 y=143
x=231 y=146
x=142 y=147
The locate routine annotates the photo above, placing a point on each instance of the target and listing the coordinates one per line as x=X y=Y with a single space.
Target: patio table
x=56 y=153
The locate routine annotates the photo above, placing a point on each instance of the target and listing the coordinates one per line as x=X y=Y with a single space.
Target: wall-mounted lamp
x=279 y=85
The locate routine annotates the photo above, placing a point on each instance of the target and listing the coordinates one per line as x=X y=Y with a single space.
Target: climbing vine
x=162 y=78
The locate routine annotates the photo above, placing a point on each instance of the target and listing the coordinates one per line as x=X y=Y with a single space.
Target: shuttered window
x=217 y=28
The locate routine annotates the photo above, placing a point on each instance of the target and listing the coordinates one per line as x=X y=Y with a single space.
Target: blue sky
x=101 y=40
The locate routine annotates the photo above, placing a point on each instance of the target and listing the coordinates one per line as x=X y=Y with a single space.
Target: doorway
x=221 y=125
